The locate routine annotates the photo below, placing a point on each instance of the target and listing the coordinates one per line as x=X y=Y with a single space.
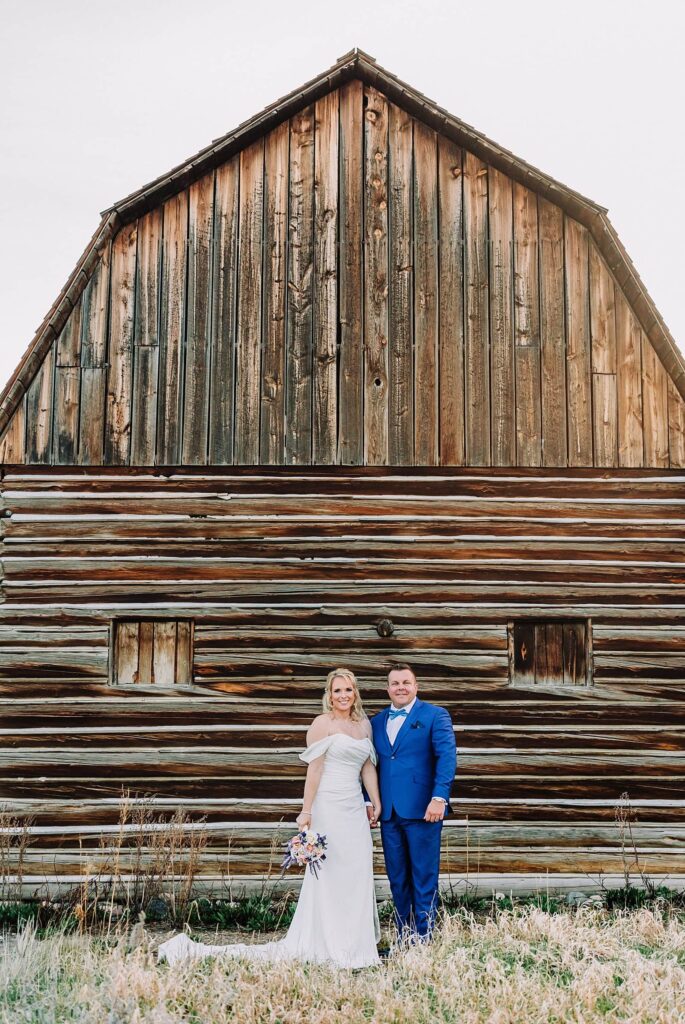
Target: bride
x=335 y=920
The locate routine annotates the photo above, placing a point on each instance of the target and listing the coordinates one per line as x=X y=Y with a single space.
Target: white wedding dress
x=336 y=920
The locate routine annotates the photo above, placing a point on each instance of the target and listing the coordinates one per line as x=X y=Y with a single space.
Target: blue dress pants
x=412 y=859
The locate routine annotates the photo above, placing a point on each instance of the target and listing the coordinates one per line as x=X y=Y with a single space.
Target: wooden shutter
x=553 y=653
x=150 y=653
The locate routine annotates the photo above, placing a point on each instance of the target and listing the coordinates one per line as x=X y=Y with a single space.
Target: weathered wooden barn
x=352 y=384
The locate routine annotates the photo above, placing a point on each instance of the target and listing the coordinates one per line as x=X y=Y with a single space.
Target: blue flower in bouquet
x=306 y=849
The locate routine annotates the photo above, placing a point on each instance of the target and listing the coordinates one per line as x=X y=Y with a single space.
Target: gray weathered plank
x=146 y=340
x=39 y=401
x=376 y=270
x=172 y=333
x=503 y=418
x=67 y=389
x=126 y=652
x=272 y=427
x=224 y=299
x=451 y=330
x=350 y=374
x=94 y=329
x=185 y=631
x=476 y=341
x=527 y=329
x=676 y=427
x=629 y=384
x=603 y=342
x=120 y=385
x=578 y=359
x=426 y=297
x=401 y=289
x=299 y=314
x=552 y=334
x=654 y=406
x=249 y=331
x=604 y=418
x=12 y=444
x=325 y=341
x=198 y=316
x=164 y=653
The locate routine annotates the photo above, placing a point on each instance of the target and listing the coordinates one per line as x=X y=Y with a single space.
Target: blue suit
x=419 y=765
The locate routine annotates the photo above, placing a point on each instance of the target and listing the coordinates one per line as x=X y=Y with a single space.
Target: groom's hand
x=371 y=815
x=435 y=811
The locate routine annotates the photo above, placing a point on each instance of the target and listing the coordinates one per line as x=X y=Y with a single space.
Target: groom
x=417 y=759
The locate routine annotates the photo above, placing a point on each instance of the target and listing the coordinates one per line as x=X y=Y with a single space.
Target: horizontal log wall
x=287 y=575
x=352 y=288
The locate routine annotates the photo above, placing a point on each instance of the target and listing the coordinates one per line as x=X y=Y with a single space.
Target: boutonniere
x=416 y=725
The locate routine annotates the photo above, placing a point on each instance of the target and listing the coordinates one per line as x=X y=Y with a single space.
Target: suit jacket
x=419 y=765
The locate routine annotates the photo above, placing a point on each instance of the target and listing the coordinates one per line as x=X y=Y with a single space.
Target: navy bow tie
x=401 y=713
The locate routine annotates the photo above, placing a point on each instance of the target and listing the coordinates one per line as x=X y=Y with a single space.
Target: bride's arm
x=370 y=783
x=317 y=731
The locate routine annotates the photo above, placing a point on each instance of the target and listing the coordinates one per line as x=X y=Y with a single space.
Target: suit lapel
x=383 y=727
x=411 y=717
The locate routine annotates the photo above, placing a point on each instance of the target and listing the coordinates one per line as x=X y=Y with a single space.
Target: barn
x=353 y=384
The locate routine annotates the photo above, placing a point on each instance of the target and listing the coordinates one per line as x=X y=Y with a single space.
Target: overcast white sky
x=101 y=96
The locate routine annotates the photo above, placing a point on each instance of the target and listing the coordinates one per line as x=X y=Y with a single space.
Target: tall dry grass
x=15 y=839
x=526 y=966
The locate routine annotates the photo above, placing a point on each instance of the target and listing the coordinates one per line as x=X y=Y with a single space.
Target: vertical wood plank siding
x=401 y=289
x=527 y=329
x=94 y=338
x=197 y=368
x=554 y=427
x=310 y=559
x=324 y=364
x=299 y=322
x=224 y=301
x=477 y=329
x=426 y=302
x=249 y=334
x=603 y=334
x=67 y=391
x=500 y=216
x=375 y=278
x=351 y=365
x=172 y=337
x=451 y=369
x=39 y=400
x=272 y=445
x=351 y=288
x=578 y=356
x=121 y=389
x=146 y=341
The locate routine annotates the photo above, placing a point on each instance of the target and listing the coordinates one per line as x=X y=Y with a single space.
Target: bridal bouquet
x=306 y=849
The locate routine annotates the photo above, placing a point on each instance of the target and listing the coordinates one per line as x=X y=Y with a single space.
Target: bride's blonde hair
x=357 y=713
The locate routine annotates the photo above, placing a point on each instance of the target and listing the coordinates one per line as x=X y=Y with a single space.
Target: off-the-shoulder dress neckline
x=355 y=739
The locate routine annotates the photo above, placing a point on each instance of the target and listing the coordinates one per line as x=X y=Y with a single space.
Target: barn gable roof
x=353 y=65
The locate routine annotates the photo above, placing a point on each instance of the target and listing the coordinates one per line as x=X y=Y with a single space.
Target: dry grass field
x=515 y=966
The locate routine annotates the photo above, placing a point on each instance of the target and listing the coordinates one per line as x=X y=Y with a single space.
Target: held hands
x=435 y=811
x=373 y=813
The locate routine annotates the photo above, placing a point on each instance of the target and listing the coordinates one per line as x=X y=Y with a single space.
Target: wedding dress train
x=336 y=919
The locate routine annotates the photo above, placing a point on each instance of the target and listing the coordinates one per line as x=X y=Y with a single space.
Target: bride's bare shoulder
x=320 y=727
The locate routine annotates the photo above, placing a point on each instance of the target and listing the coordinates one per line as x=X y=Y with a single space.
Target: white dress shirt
x=393 y=725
